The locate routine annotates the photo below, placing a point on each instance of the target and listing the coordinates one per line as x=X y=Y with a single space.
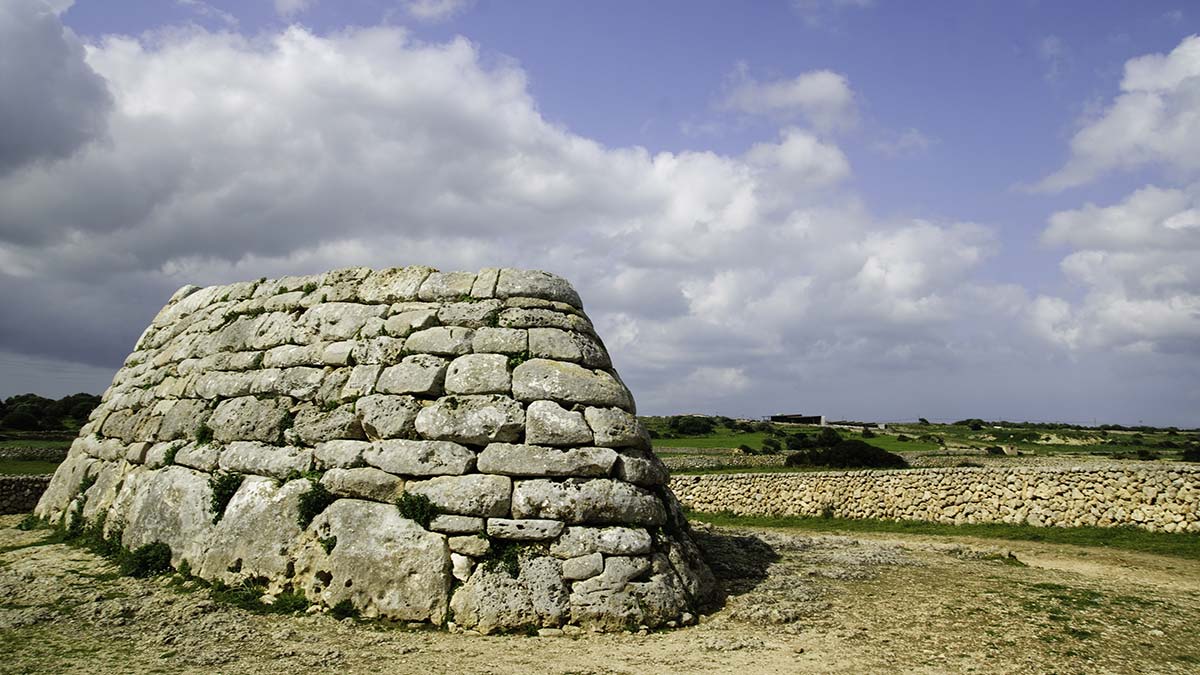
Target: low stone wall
x=685 y=462
x=34 y=454
x=1159 y=499
x=19 y=494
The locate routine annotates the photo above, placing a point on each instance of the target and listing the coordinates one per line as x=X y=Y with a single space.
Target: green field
x=724 y=438
x=34 y=443
x=1127 y=538
x=24 y=468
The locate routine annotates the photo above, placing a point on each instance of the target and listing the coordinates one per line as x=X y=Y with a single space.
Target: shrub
x=850 y=454
x=902 y=438
x=313 y=502
x=417 y=508
x=771 y=446
x=21 y=420
x=147 y=561
x=688 y=425
x=867 y=433
x=747 y=450
x=828 y=438
x=504 y=557
x=344 y=609
x=1192 y=454
x=994 y=450
x=224 y=486
x=922 y=420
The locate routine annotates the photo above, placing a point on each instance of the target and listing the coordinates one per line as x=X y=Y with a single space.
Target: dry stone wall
x=19 y=494
x=269 y=429
x=1155 y=499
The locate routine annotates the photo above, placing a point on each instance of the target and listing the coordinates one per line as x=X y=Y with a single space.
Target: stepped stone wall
x=268 y=429
x=1166 y=499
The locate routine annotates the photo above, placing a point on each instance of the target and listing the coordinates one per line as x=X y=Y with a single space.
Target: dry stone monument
x=428 y=446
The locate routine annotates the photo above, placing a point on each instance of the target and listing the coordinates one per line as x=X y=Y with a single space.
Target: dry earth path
x=797 y=604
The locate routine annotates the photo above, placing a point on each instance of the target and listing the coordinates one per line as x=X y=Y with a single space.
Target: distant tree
x=828 y=438
x=922 y=420
x=771 y=446
x=21 y=419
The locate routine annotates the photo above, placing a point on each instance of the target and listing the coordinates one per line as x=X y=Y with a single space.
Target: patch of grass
x=754 y=469
x=169 y=455
x=504 y=556
x=723 y=438
x=313 y=502
x=35 y=443
x=147 y=561
x=26 y=467
x=1122 y=538
x=328 y=543
x=417 y=508
x=224 y=486
x=204 y=434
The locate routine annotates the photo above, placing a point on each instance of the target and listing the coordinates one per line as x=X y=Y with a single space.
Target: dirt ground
x=796 y=604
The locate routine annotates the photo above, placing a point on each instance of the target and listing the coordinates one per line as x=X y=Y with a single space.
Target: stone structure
x=19 y=494
x=1158 y=499
x=428 y=446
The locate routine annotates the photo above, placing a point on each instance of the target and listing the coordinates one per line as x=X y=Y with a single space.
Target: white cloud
x=908 y=143
x=821 y=13
x=1152 y=121
x=435 y=10
x=822 y=97
x=206 y=10
x=290 y=8
x=1055 y=55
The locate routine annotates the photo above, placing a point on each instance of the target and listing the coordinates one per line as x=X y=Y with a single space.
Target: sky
x=867 y=209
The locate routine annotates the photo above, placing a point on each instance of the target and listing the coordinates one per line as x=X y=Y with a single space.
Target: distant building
x=799 y=419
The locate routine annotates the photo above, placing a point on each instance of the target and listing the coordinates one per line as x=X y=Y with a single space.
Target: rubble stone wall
x=289 y=430
x=19 y=494
x=1156 y=499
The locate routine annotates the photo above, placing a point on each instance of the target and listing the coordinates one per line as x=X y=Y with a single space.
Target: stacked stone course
x=19 y=494
x=487 y=393
x=1166 y=500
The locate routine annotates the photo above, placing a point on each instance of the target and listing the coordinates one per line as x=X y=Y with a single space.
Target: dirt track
x=797 y=604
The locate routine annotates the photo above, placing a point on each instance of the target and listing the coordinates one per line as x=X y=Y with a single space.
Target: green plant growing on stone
x=417 y=508
x=309 y=287
x=29 y=522
x=517 y=359
x=169 y=455
x=147 y=561
x=313 y=502
x=344 y=609
x=505 y=556
x=328 y=543
x=224 y=486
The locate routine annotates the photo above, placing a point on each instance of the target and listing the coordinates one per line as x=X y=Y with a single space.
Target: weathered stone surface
x=641 y=467
x=542 y=379
x=548 y=423
x=511 y=341
x=441 y=340
x=378 y=350
x=201 y=456
x=185 y=526
x=299 y=383
x=536 y=284
x=473 y=419
x=474 y=314
x=255 y=535
x=451 y=524
x=250 y=419
x=473 y=545
x=384 y=564
x=314 y=425
x=462 y=566
x=333 y=321
x=363 y=483
x=64 y=486
x=491 y=600
x=519 y=317
x=385 y=416
x=485 y=283
x=524 y=530
x=420 y=458
x=339 y=454
x=419 y=374
x=613 y=427
x=555 y=343
x=470 y=495
x=479 y=374
x=599 y=500
x=265 y=460
x=406 y=323
x=583 y=567
x=393 y=285
x=442 y=286
x=532 y=460
x=361 y=382
x=616 y=540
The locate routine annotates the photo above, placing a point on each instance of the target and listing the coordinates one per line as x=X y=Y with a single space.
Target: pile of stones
x=447 y=447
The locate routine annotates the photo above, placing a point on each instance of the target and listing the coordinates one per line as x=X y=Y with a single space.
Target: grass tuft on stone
x=417 y=508
x=224 y=486
x=313 y=502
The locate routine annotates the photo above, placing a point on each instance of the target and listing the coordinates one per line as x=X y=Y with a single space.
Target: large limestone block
x=615 y=540
x=470 y=495
x=249 y=419
x=524 y=530
x=536 y=284
x=393 y=285
x=339 y=454
x=170 y=505
x=420 y=458
x=199 y=456
x=491 y=340
x=539 y=379
x=333 y=321
x=493 y=601
x=613 y=427
x=479 y=374
x=641 y=467
x=405 y=323
x=548 y=423
x=472 y=419
x=300 y=382
x=443 y=286
x=99 y=497
x=599 y=500
x=441 y=340
x=314 y=425
x=522 y=317
x=256 y=533
x=474 y=314
x=364 y=483
x=64 y=485
x=532 y=460
x=419 y=374
x=623 y=595
x=264 y=459
x=386 y=416
x=562 y=345
x=386 y=565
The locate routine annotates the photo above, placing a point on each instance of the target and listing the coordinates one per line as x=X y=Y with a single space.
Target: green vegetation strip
x=1124 y=538
x=35 y=443
x=20 y=467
